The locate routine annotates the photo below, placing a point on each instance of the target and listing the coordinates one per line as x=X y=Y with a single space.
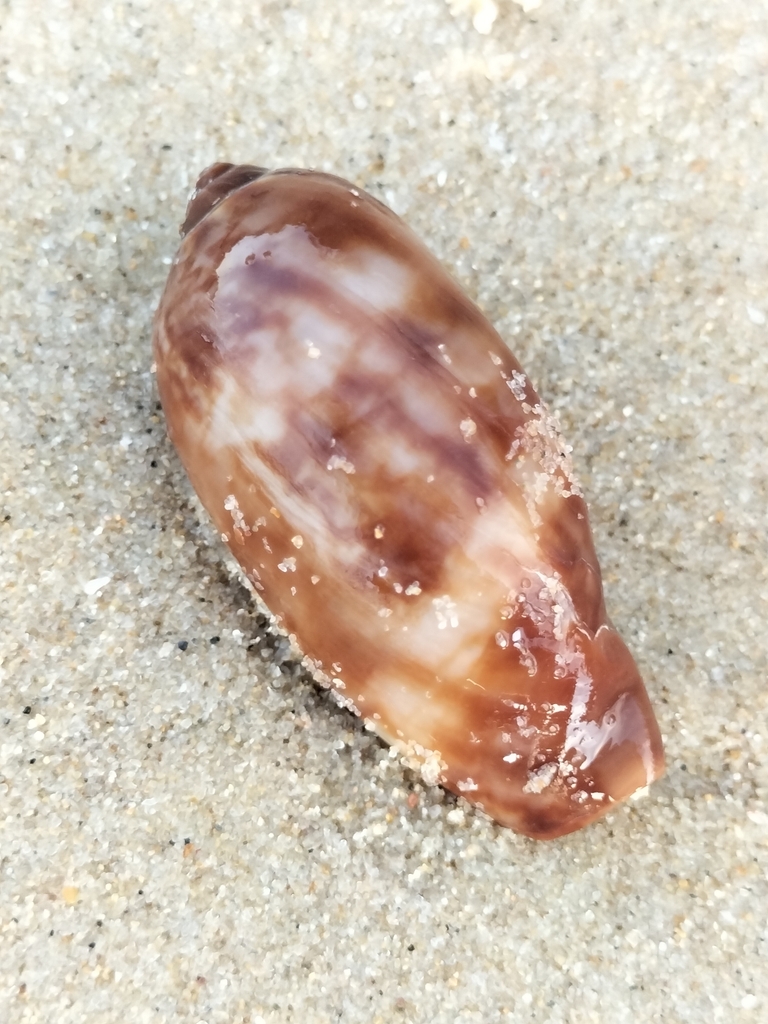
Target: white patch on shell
x=429 y=763
x=517 y=385
x=374 y=279
x=445 y=612
x=345 y=702
x=339 y=462
x=238 y=519
x=540 y=778
x=468 y=429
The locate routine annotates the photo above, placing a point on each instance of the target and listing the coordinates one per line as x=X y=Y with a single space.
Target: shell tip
x=214 y=184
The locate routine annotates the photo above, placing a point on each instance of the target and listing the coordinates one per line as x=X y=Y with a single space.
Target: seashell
x=399 y=496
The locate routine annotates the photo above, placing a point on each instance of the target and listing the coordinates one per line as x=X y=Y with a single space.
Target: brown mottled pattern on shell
x=343 y=469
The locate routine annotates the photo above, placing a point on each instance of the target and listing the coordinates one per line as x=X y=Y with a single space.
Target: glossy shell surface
x=398 y=495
